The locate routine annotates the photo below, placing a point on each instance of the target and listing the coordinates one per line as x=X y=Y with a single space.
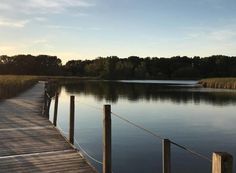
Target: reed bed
x=223 y=83
x=11 y=85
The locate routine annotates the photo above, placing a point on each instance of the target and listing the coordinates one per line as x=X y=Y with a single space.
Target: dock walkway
x=30 y=143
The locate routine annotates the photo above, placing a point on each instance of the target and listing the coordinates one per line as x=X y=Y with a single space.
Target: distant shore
x=11 y=85
x=221 y=83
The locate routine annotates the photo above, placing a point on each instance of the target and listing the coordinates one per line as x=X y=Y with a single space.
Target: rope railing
x=47 y=102
x=150 y=132
x=86 y=153
x=90 y=106
x=191 y=151
x=161 y=137
x=226 y=159
x=48 y=95
x=60 y=128
x=138 y=126
x=80 y=147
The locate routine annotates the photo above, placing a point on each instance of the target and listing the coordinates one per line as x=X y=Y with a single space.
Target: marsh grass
x=223 y=83
x=11 y=85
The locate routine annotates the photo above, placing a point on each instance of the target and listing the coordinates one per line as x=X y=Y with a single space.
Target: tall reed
x=223 y=83
x=13 y=85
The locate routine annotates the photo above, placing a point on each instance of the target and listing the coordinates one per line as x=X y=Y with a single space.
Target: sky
x=86 y=29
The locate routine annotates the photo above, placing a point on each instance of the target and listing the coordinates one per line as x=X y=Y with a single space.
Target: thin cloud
x=40 y=19
x=13 y=23
x=7 y=48
x=223 y=35
x=40 y=41
x=43 y=43
x=64 y=27
x=43 y=6
x=4 y=7
x=13 y=12
x=95 y=28
x=79 y=14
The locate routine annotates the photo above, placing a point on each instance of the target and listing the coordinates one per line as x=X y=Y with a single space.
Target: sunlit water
x=201 y=119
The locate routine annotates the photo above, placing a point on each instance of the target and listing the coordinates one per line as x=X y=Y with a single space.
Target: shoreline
x=12 y=85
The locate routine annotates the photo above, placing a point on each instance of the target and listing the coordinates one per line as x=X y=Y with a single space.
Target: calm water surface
x=201 y=119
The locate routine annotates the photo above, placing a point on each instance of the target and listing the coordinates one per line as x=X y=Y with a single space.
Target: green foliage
x=122 y=68
x=160 y=68
x=186 y=73
x=30 y=65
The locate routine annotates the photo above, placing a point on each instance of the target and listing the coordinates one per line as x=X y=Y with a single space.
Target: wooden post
x=48 y=106
x=166 y=156
x=45 y=103
x=55 y=109
x=72 y=119
x=45 y=107
x=222 y=162
x=107 y=160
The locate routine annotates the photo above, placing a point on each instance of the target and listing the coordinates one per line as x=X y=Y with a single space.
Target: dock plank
x=30 y=143
x=63 y=161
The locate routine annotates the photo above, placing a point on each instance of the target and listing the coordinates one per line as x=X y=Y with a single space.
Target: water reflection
x=201 y=119
x=113 y=91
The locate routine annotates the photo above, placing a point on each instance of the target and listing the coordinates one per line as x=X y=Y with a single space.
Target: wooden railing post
x=45 y=99
x=222 y=162
x=72 y=119
x=55 y=109
x=45 y=103
x=48 y=107
x=107 y=160
x=166 y=156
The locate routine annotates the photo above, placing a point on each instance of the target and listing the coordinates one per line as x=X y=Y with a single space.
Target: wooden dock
x=30 y=143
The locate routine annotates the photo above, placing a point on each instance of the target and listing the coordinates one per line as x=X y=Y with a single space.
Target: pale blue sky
x=86 y=29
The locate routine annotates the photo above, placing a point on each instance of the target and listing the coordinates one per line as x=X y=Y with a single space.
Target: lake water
x=201 y=119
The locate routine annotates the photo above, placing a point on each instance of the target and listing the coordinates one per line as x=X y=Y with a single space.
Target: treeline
x=30 y=65
x=122 y=68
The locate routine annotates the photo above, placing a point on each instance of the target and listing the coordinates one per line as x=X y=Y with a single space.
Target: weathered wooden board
x=30 y=143
x=61 y=161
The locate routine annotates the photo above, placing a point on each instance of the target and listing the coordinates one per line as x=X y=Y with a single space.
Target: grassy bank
x=223 y=83
x=12 y=85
